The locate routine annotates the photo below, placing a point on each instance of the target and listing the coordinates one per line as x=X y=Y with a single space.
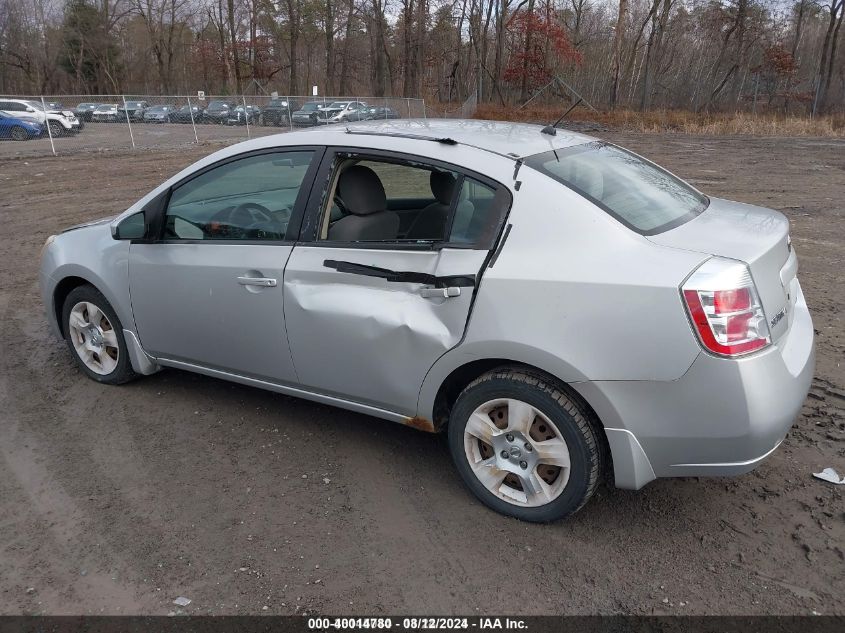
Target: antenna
x=551 y=130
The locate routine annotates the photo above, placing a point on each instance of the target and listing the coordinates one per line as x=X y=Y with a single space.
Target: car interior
x=371 y=201
x=374 y=200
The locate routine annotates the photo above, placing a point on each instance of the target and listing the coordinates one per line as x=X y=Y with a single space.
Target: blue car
x=19 y=129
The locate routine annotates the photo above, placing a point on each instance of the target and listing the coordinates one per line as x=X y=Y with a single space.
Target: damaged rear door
x=366 y=319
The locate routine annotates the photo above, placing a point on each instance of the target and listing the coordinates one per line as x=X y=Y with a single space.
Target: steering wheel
x=236 y=222
x=257 y=213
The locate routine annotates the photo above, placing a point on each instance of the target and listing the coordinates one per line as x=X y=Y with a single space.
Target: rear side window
x=639 y=194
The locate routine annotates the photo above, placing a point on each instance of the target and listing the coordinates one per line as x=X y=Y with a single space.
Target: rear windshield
x=639 y=194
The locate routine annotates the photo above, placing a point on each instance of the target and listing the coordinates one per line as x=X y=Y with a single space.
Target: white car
x=107 y=112
x=340 y=111
x=61 y=122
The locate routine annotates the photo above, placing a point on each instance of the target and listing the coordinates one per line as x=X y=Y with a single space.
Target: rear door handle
x=264 y=282
x=440 y=293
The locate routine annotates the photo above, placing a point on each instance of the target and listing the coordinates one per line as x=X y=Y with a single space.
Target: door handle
x=264 y=282
x=440 y=293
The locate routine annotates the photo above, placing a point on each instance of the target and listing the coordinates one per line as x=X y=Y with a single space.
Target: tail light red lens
x=725 y=301
x=723 y=305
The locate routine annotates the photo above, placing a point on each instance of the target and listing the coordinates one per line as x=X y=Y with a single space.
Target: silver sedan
x=561 y=308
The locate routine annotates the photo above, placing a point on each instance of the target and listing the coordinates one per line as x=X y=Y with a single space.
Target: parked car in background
x=19 y=129
x=241 y=115
x=563 y=310
x=61 y=122
x=218 y=111
x=107 y=113
x=159 y=114
x=340 y=111
x=278 y=112
x=84 y=111
x=188 y=114
x=380 y=112
x=307 y=115
x=135 y=110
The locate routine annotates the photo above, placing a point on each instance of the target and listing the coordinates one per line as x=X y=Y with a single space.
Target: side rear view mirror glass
x=132 y=228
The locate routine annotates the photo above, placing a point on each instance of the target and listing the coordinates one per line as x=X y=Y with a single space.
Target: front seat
x=363 y=196
x=430 y=223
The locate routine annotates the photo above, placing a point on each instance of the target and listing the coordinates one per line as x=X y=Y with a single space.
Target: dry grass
x=677 y=121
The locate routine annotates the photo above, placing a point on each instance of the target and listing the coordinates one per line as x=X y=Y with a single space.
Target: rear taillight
x=724 y=308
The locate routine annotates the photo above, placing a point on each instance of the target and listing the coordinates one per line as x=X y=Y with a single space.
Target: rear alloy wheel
x=524 y=447
x=19 y=134
x=95 y=336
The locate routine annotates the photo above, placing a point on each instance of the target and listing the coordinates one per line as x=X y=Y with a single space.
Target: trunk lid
x=757 y=236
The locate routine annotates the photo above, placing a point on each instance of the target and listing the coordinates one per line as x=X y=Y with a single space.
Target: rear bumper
x=722 y=417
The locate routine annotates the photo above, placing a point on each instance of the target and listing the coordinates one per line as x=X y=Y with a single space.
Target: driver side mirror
x=132 y=228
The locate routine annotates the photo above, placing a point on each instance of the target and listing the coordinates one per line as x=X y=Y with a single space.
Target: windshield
x=310 y=107
x=35 y=104
x=106 y=107
x=158 y=109
x=133 y=104
x=639 y=194
x=338 y=105
x=218 y=105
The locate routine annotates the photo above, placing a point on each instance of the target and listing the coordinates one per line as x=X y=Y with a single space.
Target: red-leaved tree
x=538 y=47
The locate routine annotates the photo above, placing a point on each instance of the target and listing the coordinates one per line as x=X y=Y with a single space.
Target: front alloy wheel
x=524 y=446
x=95 y=336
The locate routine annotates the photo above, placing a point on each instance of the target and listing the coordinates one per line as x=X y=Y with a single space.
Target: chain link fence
x=65 y=124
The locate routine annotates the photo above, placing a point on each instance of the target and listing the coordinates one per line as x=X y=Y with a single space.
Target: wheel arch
x=60 y=293
x=454 y=383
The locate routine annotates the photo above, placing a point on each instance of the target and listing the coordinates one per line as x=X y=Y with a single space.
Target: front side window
x=247 y=199
x=642 y=196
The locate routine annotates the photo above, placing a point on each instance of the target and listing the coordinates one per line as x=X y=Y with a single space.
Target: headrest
x=361 y=190
x=442 y=186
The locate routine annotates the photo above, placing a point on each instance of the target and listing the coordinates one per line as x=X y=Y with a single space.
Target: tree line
x=699 y=55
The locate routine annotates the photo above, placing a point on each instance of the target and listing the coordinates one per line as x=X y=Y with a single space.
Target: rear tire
x=95 y=337
x=541 y=458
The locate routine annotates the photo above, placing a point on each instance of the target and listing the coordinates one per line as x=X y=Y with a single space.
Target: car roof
x=514 y=140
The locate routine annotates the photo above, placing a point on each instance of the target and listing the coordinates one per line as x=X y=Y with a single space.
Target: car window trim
x=315 y=206
x=162 y=201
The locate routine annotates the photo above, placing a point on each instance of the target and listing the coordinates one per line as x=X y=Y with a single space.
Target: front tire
x=19 y=134
x=524 y=447
x=56 y=129
x=95 y=336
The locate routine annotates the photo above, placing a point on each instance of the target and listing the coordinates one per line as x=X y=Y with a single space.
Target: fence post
x=409 y=107
x=423 y=106
x=290 y=118
x=246 y=116
x=193 y=124
x=126 y=112
x=47 y=123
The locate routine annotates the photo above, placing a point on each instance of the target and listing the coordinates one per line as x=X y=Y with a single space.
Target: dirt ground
x=119 y=499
